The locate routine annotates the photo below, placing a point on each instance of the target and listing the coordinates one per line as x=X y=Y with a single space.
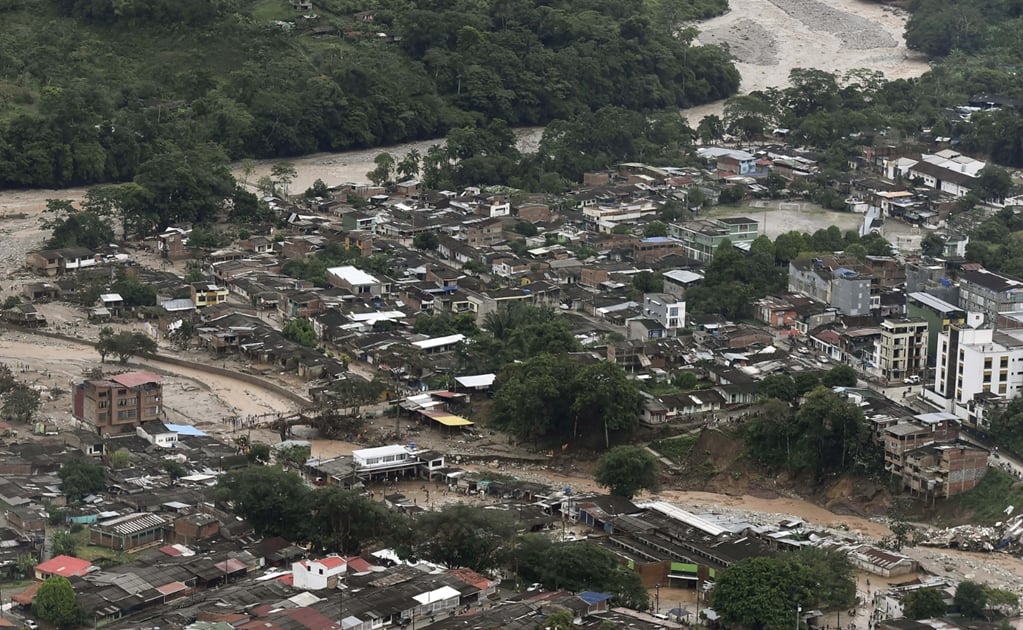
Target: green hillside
x=92 y=89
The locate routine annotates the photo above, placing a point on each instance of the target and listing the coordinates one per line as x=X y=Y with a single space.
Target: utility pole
x=799 y=610
x=657 y=598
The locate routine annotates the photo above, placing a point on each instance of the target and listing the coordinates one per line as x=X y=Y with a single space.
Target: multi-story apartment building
x=701 y=239
x=975 y=369
x=902 y=351
x=986 y=292
x=121 y=403
x=205 y=294
x=923 y=430
x=944 y=470
x=666 y=310
x=851 y=292
x=939 y=314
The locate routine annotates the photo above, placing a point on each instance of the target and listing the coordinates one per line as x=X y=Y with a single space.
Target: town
x=422 y=350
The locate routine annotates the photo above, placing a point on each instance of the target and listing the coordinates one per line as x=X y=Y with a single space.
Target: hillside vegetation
x=90 y=90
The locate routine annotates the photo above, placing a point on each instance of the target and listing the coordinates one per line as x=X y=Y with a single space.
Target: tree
x=55 y=602
x=992 y=183
x=806 y=382
x=120 y=459
x=578 y=567
x=924 y=603
x=76 y=228
x=21 y=403
x=275 y=502
x=779 y=386
x=80 y=477
x=124 y=344
x=318 y=189
x=63 y=543
x=463 y=536
x=625 y=470
x=832 y=433
x=346 y=521
x=425 y=241
x=258 y=453
x=605 y=398
x=655 y=228
x=932 y=245
x=175 y=470
x=840 y=376
x=383 y=173
x=295 y=455
x=710 y=129
x=283 y=173
x=301 y=331
x=648 y=282
x=970 y=599
x=764 y=592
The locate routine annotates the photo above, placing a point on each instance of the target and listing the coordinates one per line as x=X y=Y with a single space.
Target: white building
x=368 y=459
x=665 y=309
x=356 y=280
x=975 y=369
x=316 y=575
x=157 y=434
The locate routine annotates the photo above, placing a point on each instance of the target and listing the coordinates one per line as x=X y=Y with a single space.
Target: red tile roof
x=66 y=566
x=134 y=379
x=358 y=565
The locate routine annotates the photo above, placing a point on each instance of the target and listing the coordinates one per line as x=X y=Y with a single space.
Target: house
x=486 y=232
x=55 y=262
x=666 y=310
x=205 y=294
x=316 y=575
x=24 y=315
x=700 y=239
x=37 y=291
x=157 y=434
x=357 y=281
x=677 y=281
x=129 y=532
x=120 y=403
x=64 y=566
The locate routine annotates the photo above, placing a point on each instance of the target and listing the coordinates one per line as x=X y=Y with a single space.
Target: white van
x=911 y=380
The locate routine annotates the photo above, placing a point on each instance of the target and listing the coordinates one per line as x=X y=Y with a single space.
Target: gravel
x=853 y=31
x=746 y=40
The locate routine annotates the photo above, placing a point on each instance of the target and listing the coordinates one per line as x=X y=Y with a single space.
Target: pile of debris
x=1003 y=536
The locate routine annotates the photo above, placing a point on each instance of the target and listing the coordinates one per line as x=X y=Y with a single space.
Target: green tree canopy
x=625 y=470
x=970 y=599
x=301 y=331
x=80 y=477
x=20 y=403
x=55 y=602
x=462 y=535
x=346 y=521
x=924 y=603
x=764 y=592
x=578 y=567
x=841 y=375
x=275 y=502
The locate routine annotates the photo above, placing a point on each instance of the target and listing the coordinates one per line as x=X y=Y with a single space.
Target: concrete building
x=666 y=310
x=701 y=238
x=205 y=294
x=986 y=292
x=677 y=281
x=316 y=575
x=849 y=291
x=976 y=369
x=944 y=470
x=119 y=404
x=356 y=280
x=903 y=349
x=923 y=430
x=938 y=314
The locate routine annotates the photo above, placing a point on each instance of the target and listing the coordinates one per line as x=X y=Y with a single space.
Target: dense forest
x=977 y=46
x=96 y=90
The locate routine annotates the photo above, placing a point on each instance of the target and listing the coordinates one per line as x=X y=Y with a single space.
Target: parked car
x=911 y=380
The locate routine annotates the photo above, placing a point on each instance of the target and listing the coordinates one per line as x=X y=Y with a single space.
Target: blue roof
x=184 y=429
x=657 y=239
x=592 y=597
